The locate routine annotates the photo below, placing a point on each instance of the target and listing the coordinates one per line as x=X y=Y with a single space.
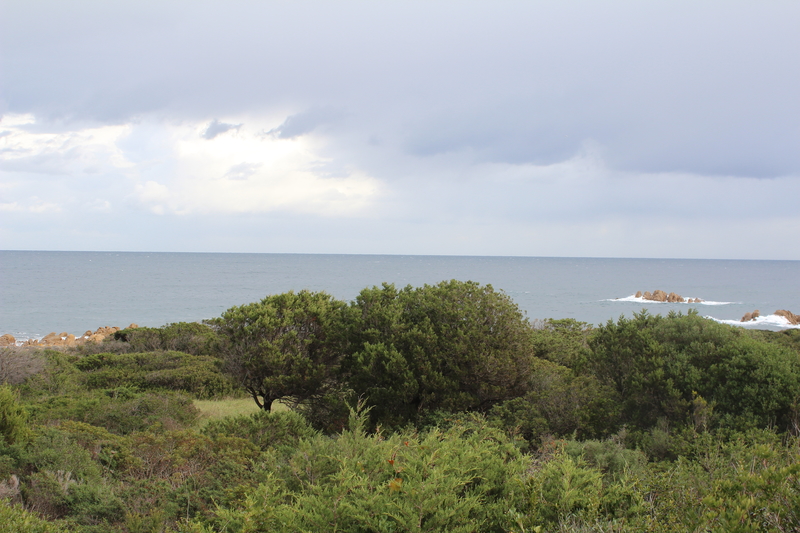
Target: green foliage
x=59 y=376
x=283 y=347
x=188 y=337
x=467 y=478
x=453 y=346
x=695 y=421
x=563 y=341
x=559 y=403
x=15 y=519
x=264 y=429
x=121 y=411
x=659 y=366
x=13 y=418
x=200 y=376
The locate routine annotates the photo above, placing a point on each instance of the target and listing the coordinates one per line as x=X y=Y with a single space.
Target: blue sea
x=43 y=292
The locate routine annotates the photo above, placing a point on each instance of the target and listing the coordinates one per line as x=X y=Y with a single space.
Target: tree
x=452 y=346
x=283 y=347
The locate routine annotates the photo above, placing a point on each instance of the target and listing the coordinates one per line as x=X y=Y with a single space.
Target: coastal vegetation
x=435 y=408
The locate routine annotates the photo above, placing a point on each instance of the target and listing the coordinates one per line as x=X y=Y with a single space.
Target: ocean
x=43 y=292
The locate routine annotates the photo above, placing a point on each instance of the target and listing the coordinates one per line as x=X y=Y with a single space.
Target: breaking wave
x=771 y=321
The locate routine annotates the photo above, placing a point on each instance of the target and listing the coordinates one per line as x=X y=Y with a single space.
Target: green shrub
x=264 y=429
x=468 y=478
x=15 y=519
x=121 y=411
x=189 y=337
x=660 y=366
x=177 y=371
x=13 y=418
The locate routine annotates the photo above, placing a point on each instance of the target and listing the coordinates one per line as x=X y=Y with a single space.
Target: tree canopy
x=453 y=346
x=282 y=347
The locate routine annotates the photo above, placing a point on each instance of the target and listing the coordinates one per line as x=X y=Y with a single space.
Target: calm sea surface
x=42 y=292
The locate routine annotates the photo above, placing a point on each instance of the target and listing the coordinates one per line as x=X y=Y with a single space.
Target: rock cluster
x=64 y=338
x=8 y=340
x=660 y=296
x=788 y=315
x=750 y=316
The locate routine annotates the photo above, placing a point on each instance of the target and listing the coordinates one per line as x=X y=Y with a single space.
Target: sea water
x=43 y=292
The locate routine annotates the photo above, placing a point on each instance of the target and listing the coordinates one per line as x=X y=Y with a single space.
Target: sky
x=665 y=129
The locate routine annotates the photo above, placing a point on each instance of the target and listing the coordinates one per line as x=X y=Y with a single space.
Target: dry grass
x=216 y=409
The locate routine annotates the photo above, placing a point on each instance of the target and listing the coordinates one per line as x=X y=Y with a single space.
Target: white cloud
x=26 y=149
x=246 y=172
x=33 y=205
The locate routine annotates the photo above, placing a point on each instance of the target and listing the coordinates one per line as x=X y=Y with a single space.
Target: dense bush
x=453 y=346
x=465 y=479
x=200 y=376
x=120 y=411
x=659 y=366
x=283 y=347
x=264 y=429
x=188 y=337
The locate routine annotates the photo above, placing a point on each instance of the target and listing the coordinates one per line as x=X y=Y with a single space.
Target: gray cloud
x=216 y=127
x=680 y=101
x=306 y=122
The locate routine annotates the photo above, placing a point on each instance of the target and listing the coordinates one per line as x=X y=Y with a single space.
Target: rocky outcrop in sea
x=661 y=296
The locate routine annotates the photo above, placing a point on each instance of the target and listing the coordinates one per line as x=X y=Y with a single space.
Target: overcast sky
x=599 y=129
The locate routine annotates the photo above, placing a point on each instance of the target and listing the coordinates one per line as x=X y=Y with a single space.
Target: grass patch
x=216 y=409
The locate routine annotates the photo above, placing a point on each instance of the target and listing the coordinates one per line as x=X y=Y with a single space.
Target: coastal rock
x=788 y=315
x=51 y=339
x=106 y=331
x=750 y=316
x=8 y=340
x=133 y=326
x=659 y=296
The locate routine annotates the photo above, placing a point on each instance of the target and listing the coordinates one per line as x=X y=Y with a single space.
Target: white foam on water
x=773 y=321
x=634 y=299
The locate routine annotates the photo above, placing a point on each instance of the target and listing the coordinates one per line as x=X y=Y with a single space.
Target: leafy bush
x=189 y=337
x=659 y=365
x=264 y=429
x=15 y=519
x=177 y=371
x=560 y=403
x=454 y=346
x=467 y=478
x=121 y=411
x=13 y=418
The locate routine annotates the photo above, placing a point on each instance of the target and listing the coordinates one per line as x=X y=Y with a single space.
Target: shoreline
x=62 y=339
